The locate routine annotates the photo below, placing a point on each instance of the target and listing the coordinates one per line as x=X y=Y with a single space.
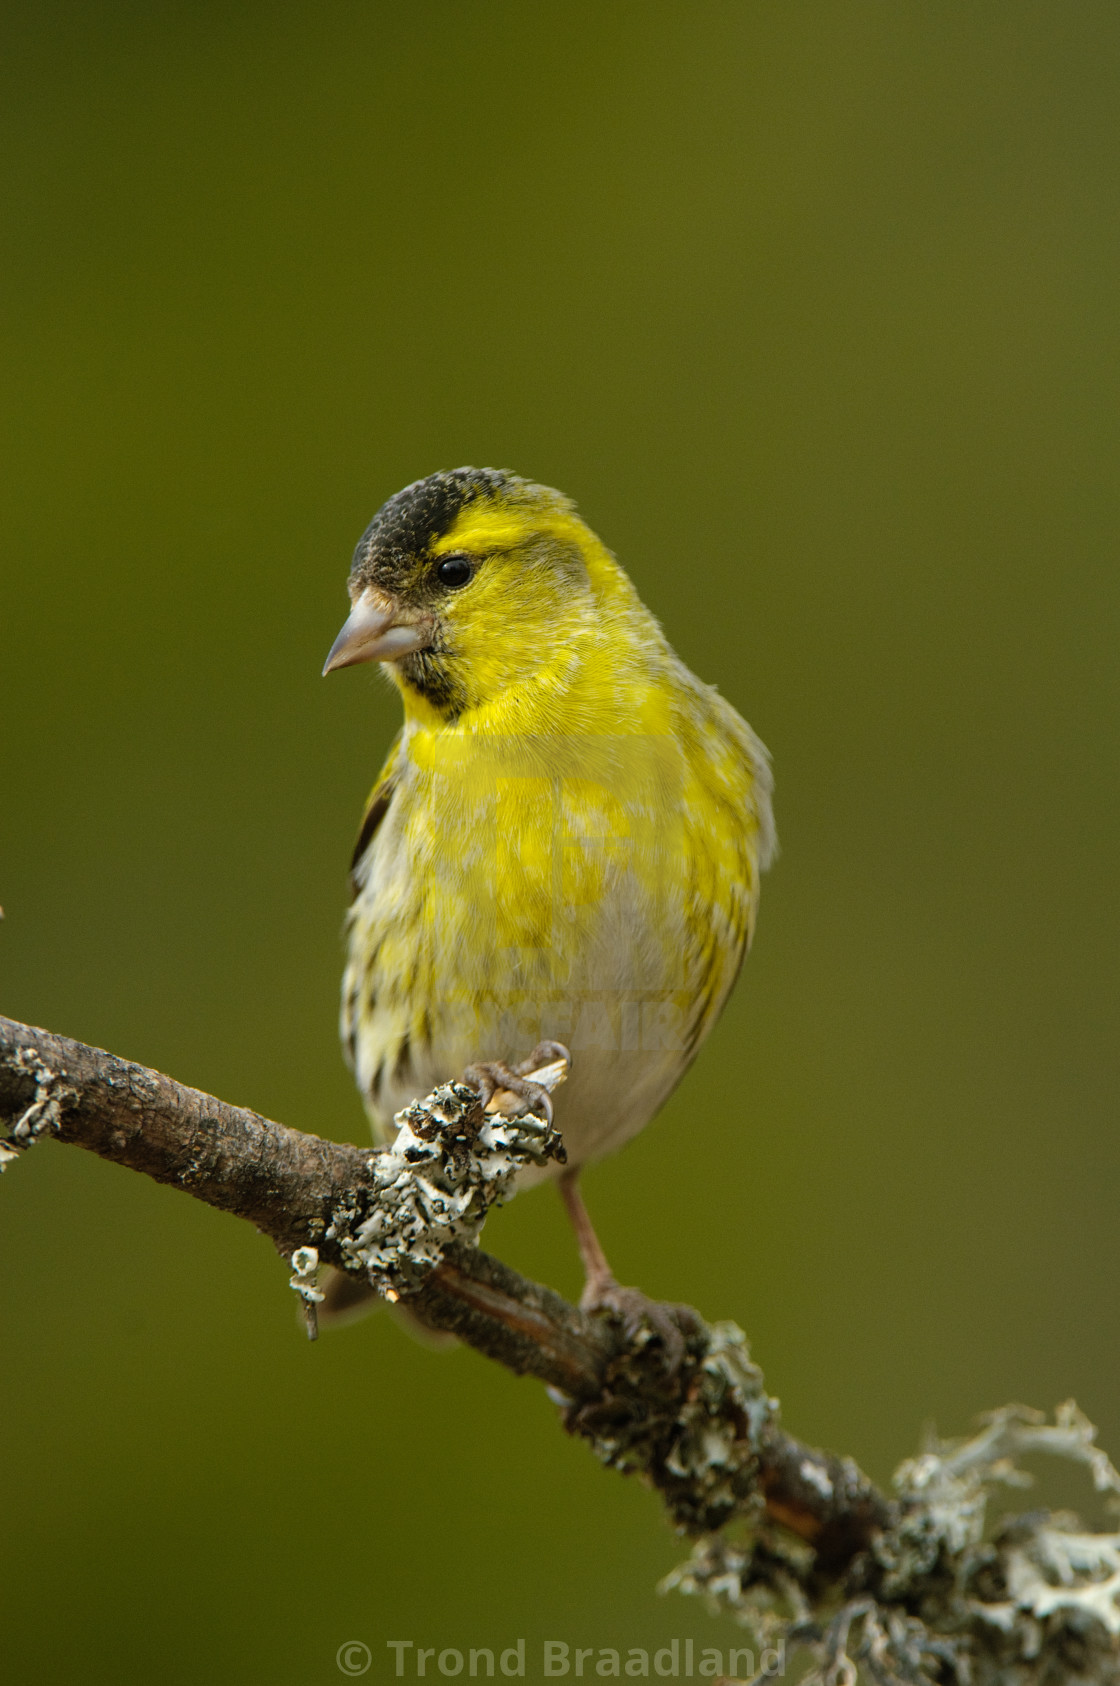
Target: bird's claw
x=545 y=1053
x=489 y=1076
x=670 y=1322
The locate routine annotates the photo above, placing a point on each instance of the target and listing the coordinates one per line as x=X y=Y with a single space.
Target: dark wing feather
x=376 y=808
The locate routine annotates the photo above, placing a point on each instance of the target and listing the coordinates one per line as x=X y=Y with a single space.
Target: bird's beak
x=377 y=630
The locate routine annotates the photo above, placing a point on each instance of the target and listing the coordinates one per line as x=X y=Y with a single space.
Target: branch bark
x=292 y=1186
x=908 y=1587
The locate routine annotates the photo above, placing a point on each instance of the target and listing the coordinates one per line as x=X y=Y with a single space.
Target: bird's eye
x=455 y=571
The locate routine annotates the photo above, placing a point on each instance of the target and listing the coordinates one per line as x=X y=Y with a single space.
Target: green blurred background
x=813 y=308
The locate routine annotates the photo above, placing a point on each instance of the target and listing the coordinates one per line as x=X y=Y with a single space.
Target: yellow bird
x=566 y=839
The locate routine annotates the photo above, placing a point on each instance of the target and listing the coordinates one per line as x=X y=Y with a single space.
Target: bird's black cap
x=414 y=518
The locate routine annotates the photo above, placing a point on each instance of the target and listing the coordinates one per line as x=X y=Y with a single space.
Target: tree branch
x=926 y=1601
x=302 y=1191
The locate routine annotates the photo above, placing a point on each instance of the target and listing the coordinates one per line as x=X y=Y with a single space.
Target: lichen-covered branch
x=796 y=1543
x=941 y=1594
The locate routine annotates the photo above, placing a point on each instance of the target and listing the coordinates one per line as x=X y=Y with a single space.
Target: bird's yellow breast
x=588 y=873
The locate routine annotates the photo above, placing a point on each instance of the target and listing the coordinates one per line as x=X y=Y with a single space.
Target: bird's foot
x=495 y=1077
x=671 y=1323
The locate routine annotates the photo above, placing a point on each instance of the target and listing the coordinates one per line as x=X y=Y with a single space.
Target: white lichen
x=43 y=1116
x=305 y=1275
x=1033 y=1602
x=1041 y=1582
x=817 y=1477
x=449 y=1164
x=958 y=1468
x=1065 y=1572
x=708 y=1447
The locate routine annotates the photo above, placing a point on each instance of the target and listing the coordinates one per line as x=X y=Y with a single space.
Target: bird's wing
x=730 y=820
x=376 y=808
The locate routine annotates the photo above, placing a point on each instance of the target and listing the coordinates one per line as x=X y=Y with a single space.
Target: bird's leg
x=602 y=1291
x=599 y=1278
x=490 y=1076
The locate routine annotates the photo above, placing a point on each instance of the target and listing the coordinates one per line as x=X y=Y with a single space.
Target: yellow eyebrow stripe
x=483 y=530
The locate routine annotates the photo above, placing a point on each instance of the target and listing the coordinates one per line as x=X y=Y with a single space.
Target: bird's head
x=471 y=581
